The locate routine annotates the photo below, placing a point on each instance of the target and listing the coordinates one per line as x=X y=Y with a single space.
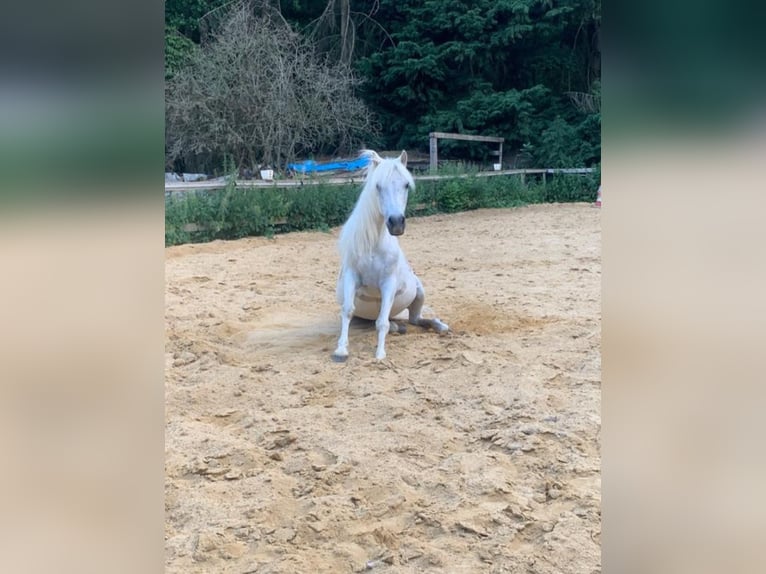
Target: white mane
x=364 y=226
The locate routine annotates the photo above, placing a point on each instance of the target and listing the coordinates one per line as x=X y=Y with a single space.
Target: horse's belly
x=367 y=301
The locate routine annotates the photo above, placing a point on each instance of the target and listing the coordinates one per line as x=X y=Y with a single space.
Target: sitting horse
x=376 y=282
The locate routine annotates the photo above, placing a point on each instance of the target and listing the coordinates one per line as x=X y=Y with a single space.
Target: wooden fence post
x=433 y=152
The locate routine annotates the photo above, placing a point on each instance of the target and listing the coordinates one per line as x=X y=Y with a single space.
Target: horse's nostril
x=395 y=224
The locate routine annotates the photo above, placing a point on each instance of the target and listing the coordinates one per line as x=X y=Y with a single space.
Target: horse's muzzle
x=395 y=224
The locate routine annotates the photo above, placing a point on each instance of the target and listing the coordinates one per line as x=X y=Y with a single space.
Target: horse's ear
x=403 y=158
x=373 y=155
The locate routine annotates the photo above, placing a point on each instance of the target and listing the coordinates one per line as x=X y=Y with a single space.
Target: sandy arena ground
x=472 y=452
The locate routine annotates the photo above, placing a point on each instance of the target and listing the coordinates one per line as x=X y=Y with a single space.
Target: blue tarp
x=310 y=166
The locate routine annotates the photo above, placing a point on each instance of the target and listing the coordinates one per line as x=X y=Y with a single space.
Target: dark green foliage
x=424 y=199
x=182 y=30
x=504 y=192
x=239 y=212
x=569 y=188
x=560 y=146
x=240 y=216
x=525 y=70
x=178 y=51
x=228 y=214
x=511 y=68
x=233 y=213
x=319 y=206
x=457 y=195
x=184 y=16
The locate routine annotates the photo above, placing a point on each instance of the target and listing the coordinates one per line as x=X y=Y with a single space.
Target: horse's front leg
x=387 y=294
x=347 y=291
x=416 y=308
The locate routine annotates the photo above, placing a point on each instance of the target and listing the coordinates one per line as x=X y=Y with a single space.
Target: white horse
x=376 y=282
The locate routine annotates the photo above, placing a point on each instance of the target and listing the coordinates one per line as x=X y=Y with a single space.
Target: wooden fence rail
x=219 y=184
x=433 y=145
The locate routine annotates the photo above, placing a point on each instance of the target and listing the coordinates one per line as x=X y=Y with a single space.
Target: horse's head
x=392 y=184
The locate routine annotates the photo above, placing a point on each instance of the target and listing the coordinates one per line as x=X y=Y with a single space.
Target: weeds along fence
x=232 y=210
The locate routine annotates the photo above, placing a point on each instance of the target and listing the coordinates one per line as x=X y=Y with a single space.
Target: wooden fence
x=219 y=184
x=433 y=145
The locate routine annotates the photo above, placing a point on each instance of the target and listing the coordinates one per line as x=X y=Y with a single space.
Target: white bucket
x=497 y=166
x=267 y=174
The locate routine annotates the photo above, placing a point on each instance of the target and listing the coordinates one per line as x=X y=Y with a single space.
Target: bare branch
x=261 y=93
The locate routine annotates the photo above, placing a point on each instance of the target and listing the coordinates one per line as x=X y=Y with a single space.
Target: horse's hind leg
x=416 y=308
x=397 y=327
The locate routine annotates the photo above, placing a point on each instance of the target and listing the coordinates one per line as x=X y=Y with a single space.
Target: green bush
x=240 y=212
x=455 y=196
x=423 y=199
x=503 y=191
x=565 y=188
x=319 y=206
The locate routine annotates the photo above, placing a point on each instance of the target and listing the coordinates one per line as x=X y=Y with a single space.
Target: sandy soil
x=475 y=451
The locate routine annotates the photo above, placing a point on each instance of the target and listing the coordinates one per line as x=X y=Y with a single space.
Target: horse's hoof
x=339 y=358
x=440 y=327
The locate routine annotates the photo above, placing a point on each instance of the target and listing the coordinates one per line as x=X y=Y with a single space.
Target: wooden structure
x=433 y=138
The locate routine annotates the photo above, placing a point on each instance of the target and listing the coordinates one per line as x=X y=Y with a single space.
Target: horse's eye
x=407 y=186
x=377 y=186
